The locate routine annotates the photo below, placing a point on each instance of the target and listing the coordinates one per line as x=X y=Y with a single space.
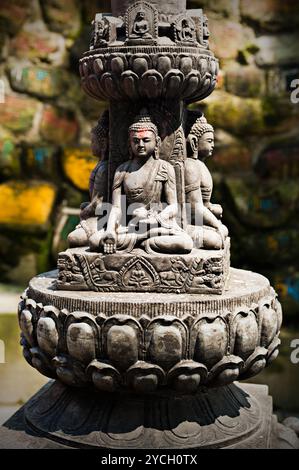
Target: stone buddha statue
x=98 y=186
x=148 y=187
x=140 y=26
x=206 y=228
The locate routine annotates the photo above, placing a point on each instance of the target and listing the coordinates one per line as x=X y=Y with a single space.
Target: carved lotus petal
x=164 y=64
x=27 y=326
x=80 y=340
x=186 y=65
x=211 y=340
x=47 y=335
x=245 y=331
x=192 y=82
x=255 y=363
x=187 y=375
x=166 y=346
x=151 y=84
x=98 y=66
x=122 y=346
x=269 y=324
x=144 y=377
x=117 y=65
x=129 y=82
x=104 y=376
x=140 y=65
x=225 y=371
x=109 y=85
x=173 y=82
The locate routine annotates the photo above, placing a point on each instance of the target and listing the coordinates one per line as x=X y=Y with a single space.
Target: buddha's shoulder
x=123 y=167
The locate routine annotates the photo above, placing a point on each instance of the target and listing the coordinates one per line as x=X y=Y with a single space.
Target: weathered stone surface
x=272 y=15
x=248 y=406
x=18 y=113
x=62 y=17
x=35 y=42
x=267 y=205
x=26 y=203
x=13 y=14
x=247 y=81
x=9 y=155
x=166 y=340
x=237 y=37
x=78 y=164
x=58 y=126
x=40 y=81
x=280 y=50
x=234 y=114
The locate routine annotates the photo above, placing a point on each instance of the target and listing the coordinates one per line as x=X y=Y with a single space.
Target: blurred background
x=45 y=157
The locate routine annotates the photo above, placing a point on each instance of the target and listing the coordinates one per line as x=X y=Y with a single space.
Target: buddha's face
x=205 y=145
x=143 y=143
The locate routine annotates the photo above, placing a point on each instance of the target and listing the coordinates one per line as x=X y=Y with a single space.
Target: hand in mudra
x=109 y=243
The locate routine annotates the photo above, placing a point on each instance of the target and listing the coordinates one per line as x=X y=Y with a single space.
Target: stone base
x=200 y=272
x=232 y=417
x=145 y=342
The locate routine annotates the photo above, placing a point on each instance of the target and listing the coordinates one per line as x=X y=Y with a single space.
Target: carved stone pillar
x=144 y=337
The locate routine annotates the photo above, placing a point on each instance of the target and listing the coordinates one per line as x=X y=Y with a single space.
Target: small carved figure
x=148 y=183
x=206 y=32
x=101 y=33
x=97 y=185
x=206 y=229
x=138 y=277
x=140 y=26
x=184 y=30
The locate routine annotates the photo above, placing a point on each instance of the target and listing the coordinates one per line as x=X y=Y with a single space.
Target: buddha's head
x=201 y=139
x=140 y=15
x=100 y=137
x=144 y=140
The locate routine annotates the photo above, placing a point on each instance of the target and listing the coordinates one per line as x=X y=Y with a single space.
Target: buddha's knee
x=212 y=240
x=77 y=238
x=95 y=240
x=185 y=243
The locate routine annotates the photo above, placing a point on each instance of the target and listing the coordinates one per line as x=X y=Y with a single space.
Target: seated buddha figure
x=140 y=27
x=148 y=187
x=206 y=228
x=97 y=185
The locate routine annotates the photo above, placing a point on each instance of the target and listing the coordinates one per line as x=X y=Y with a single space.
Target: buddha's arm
x=171 y=210
x=200 y=213
x=115 y=214
x=206 y=191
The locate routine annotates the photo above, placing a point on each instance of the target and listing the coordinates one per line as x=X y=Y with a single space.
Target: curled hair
x=143 y=122
x=200 y=127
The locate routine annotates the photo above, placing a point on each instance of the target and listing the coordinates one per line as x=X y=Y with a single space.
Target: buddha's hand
x=216 y=209
x=140 y=213
x=109 y=242
x=223 y=231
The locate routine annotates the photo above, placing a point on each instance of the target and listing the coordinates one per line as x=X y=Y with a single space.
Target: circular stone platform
x=145 y=342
